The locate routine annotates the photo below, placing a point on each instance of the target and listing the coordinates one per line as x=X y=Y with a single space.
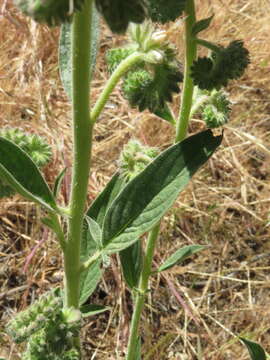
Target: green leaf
x=166 y=114
x=98 y=208
x=58 y=182
x=92 y=309
x=131 y=261
x=65 y=51
x=256 y=352
x=180 y=255
x=20 y=172
x=89 y=281
x=201 y=25
x=146 y=198
x=95 y=230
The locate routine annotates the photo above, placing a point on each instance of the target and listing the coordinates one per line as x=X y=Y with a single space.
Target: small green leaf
x=95 y=230
x=131 y=261
x=89 y=281
x=92 y=309
x=179 y=256
x=147 y=197
x=201 y=25
x=20 y=172
x=256 y=352
x=166 y=114
x=65 y=51
x=58 y=182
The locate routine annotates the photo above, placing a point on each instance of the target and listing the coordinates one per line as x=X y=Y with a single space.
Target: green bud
x=51 y=12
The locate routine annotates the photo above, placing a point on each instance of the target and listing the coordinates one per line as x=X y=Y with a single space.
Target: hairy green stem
x=208 y=45
x=82 y=141
x=190 y=56
x=121 y=69
x=181 y=131
x=141 y=292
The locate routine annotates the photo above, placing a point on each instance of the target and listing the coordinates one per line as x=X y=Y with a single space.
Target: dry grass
x=225 y=290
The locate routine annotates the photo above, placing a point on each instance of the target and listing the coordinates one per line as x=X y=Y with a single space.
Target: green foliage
x=115 y=56
x=119 y=13
x=223 y=65
x=51 y=12
x=145 y=199
x=131 y=262
x=256 y=352
x=21 y=173
x=163 y=11
x=201 y=25
x=34 y=145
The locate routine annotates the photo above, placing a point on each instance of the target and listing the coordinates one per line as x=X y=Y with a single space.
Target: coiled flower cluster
x=51 y=12
x=47 y=328
x=135 y=157
x=35 y=146
x=224 y=64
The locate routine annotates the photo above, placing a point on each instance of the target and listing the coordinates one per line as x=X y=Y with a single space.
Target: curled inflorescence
x=135 y=157
x=223 y=65
x=216 y=112
x=51 y=12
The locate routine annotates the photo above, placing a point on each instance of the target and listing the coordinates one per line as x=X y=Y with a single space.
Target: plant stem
x=141 y=292
x=121 y=69
x=208 y=45
x=181 y=131
x=190 y=56
x=82 y=139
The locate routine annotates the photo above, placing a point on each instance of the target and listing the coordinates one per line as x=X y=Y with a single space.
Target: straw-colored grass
x=193 y=311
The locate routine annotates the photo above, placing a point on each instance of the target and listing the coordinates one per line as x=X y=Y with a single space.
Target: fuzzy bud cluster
x=34 y=317
x=223 y=65
x=50 y=12
x=135 y=157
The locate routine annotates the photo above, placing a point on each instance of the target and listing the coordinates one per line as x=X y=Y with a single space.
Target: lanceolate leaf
x=166 y=113
x=58 y=182
x=201 y=25
x=20 y=172
x=179 y=256
x=92 y=309
x=65 y=51
x=146 y=198
x=89 y=281
x=256 y=352
x=131 y=262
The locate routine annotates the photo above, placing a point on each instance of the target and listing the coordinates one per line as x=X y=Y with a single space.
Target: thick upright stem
x=181 y=131
x=82 y=140
x=190 y=56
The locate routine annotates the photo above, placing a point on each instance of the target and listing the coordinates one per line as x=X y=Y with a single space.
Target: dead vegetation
x=195 y=310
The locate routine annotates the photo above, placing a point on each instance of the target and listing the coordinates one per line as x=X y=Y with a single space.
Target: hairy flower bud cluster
x=34 y=317
x=119 y=13
x=223 y=65
x=51 y=12
x=35 y=146
x=216 y=113
x=164 y=11
x=135 y=157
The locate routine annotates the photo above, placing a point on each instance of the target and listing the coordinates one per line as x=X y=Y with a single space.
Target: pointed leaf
x=201 y=25
x=166 y=113
x=256 y=352
x=146 y=198
x=95 y=230
x=131 y=261
x=180 y=255
x=58 y=182
x=89 y=281
x=65 y=51
x=21 y=173
x=92 y=309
